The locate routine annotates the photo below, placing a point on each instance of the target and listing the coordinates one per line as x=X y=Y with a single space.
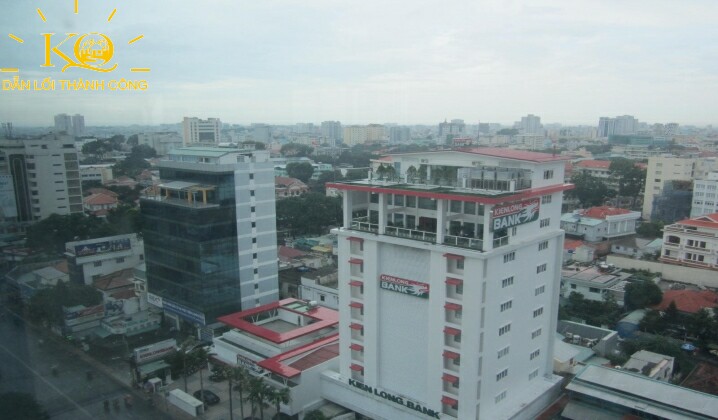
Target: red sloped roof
x=689 y=301
x=287 y=252
x=594 y=164
x=118 y=279
x=99 y=199
x=708 y=220
x=571 y=243
x=602 y=211
x=288 y=181
x=124 y=294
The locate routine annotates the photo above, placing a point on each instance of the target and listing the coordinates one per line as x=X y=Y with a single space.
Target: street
x=74 y=389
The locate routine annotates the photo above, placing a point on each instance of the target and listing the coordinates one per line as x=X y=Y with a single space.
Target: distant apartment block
x=530 y=124
x=692 y=242
x=455 y=128
x=705 y=200
x=625 y=124
x=162 y=142
x=331 y=130
x=661 y=169
x=196 y=130
x=41 y=177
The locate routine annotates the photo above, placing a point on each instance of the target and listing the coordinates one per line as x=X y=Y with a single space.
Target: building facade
x=705 y=199
x=42 y=177
x=661 y=169
x=162 y=142
x=449 y=288
x=196 y=130
x=332 y=130
x=210 y=236
x=91 y=259
x=692 y=242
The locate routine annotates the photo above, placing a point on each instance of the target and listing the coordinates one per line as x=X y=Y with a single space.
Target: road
x=28 y=359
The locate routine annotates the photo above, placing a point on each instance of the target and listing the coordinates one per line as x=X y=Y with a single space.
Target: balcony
x=462 y=242
x=419 y=235
x=363 y=224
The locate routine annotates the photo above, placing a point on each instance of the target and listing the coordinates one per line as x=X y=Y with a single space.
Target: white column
x=382 y=213
x=441 y=206
x=347 y=202
x=488 y=235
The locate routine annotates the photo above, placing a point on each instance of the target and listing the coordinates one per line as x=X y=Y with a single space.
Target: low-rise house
x=636 y=247
x=91 y=259
x=652 y=365
x=600 y=223
x=692 y=242
x=30 y=278
x=688 y=301
x=592 y=282
x=99 y=205
x=321 y=286
x=289 y=187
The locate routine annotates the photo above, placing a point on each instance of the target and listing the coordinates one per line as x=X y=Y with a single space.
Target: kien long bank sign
x=394 y=398
x=407 y=287
x=509 y=215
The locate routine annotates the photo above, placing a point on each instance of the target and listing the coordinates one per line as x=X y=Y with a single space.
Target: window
x=251 y=193
x=254 y=256
x=256 y=271
x=254 y=240
x=98 y=264
x=499 y=397
x=501 y=375
x=543 y=245
x=545 y=222
x=548 y=174
x=251 y=176
x=506 y=306
x=507 y=282
x=505 y=329
x=533 y=374
x=538 y=312
x=534 y=354
x=120 y=260
x=503 y=352
x=546 y=199
x=510 y=256
x=536 y=333
x=539 y=290
x=573 y=286
x=254 y=224
x=256 y=286
x=410 y=201
x=460 y=264
x=460 y=289
x=374 y=198
x=253 y=209
x=541 y=268
x=594 y=290
x=322 y=298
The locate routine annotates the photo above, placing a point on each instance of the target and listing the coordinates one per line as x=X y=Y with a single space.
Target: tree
x=257 y=395
x=199 y=358
x=125 y=219
x=240 y=376
x=310 y=213
x=411 y=174
x=97 y=149
x=19 y=405
x=279 y=396
x=133 y=140
x=650 y=229
x=46 y=305
x=143 y=151
x=672 y=314
x=594 y=312
x=296 y=150
x=702 y=325
x=258 y=145
x=507 y=132
x=589 y=190
x=50 y=234
x=629 y=177
x=300 y=170
x=653 y=323
x=641 y=294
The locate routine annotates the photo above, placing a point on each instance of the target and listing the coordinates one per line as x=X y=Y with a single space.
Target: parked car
x=210 y=398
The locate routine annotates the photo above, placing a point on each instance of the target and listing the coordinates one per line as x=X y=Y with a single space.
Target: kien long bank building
x=449 y=277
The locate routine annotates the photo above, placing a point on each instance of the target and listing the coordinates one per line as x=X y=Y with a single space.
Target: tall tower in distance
x=63 y=124
x=78 y=125
x=196 y=130
x=449 y=283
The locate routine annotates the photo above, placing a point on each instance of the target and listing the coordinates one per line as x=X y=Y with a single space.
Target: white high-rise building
x=661 y=169
x=196 y=130
x=355 y=134
x=531 y=124
x=63 y=124
x=705 y=195
x=42 y=177
x=449 y=294
x=332 y=130
x=78 y=125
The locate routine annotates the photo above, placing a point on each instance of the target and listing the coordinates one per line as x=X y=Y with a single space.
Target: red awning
x=355 y=326
x=356 y=283
x=454 y=282
x=356 y=261
x=451 y=355
x=449 y=401
x=452 y=306
x=357 y=347
x=450 y=378
x=355 y=239
x=451 y=331
x=454 y=256
x=356 y=367
x=356 y=305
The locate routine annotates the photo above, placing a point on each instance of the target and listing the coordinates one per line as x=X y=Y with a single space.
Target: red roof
x=449 y=378
x=448 y=400
x=501 y=152
x=594 y=164
x=124 y=294
x=99 y=199
x=356 y=283
x=385 y=159
x=708 y=220
x=316 y=353
x=689 y=301
x=452 y=306
x=102 y=191
x=454 y=282
x=289 y=253
x=288 y=181
x=602 y=211
x=116 y=280
x=571 y=243
x=323 y=318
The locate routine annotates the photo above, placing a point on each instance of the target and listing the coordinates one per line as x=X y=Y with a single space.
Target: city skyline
x=420 y=62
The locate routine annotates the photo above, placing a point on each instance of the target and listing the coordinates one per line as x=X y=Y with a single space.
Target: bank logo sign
x=407 y=287
x=508 y=215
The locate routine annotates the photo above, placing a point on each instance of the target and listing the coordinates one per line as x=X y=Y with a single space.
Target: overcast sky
x=376 y=61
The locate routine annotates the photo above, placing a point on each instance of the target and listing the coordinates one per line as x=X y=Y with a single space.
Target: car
x=210 y=398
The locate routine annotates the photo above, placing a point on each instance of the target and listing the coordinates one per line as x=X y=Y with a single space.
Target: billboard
x=103 y=247
x=183 y=311
x=81 y=314
x=513 y=214
x=154 y=351
x=407 y=287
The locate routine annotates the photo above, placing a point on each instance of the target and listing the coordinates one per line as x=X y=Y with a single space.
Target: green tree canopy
x=650 y=229
x=594 y=312
x=19 y=405
x=629 y=177
x=300 y=170
x=641 y=294
x=50 y=234
x=308 y=214
x=46 y=304
x=589 y=190
x=296 y=150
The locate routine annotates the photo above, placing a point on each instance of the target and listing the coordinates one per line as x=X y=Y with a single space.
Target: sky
x=371 y=61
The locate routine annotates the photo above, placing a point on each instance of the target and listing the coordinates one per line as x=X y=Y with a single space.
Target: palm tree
x=240 y=376
x=185 y=350
x=200 y=359
x=256 y=395
x=381 y=171
x=279 y=396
